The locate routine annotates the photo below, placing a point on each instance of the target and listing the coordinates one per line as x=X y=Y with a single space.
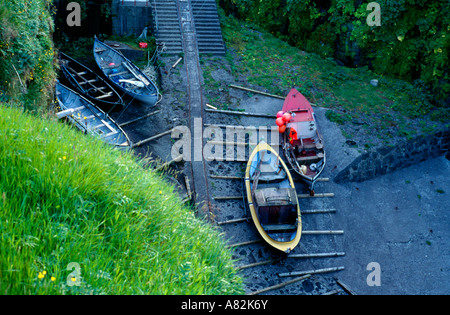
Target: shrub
x=27 y=67
x=412 y=42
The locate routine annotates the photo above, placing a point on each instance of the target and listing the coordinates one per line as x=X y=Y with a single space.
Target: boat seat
x=90 y=81
x=310 y=157
x=112 y=133
x=307 y=158
x=279 y=227
x=100 y=50
x=110 y=94
x=308 y=145
x=118 y=73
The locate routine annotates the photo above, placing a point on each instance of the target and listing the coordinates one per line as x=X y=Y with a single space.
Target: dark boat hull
x=89 y=84
x=120 y=71
x=272 y=199
x=303 y=144
x=90 y=119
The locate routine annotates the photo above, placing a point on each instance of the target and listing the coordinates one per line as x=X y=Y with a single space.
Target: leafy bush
x=412 y=42
x=27 y=67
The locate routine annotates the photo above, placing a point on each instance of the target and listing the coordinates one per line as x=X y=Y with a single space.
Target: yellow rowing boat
x=272 y=199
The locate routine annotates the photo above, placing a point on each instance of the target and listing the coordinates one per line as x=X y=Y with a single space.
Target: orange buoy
x=282 y=128
x=287 y=117
x=279 y=121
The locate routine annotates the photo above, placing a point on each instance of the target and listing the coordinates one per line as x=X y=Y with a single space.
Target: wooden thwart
x=68 y=112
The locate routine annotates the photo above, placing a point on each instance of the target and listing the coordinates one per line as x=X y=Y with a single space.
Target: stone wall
x=383 y=160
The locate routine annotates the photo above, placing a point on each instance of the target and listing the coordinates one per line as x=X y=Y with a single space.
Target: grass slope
x=68 y=200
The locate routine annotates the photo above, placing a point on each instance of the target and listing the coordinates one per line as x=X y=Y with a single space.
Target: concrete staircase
x=167 y=25
x=206 y=21
x=207 y=27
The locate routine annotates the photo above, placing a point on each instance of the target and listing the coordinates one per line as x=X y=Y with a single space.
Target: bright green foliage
x=68 y=198
x=27 y=66
x=412 y=42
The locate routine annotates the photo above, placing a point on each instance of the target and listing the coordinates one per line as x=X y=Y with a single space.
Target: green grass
x=68 y=198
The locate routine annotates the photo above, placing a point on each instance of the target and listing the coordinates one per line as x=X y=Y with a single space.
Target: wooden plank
x=188 y=187
x=256 y=91
x=345 y=287
x=177 y=62
x=315 y=211
x=138 y=119
x=316 y=255
x=232 y=112
x=243 y=243
x=152 y=138
x=241 y=144
x=105 y=96
x=233 y=221
x=261 y=263
x=337 y=291
x=226 y=177
x=227 y=198
x=89 y=81
x=299 y=273
x=175 y=160
x=68 y=112
x=323 y=232
x=316 y=195
x=277 y=286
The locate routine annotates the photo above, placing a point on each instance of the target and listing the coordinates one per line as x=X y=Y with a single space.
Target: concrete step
x=169 y=33
x=207 y=27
